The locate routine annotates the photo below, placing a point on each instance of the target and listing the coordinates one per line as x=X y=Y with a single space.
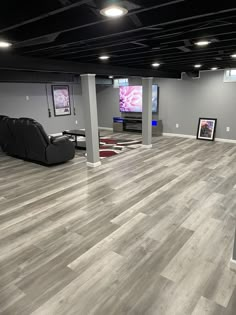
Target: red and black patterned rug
x=110 y=146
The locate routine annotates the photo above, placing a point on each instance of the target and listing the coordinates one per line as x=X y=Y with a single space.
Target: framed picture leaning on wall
x=61 y=100
x=206 y=129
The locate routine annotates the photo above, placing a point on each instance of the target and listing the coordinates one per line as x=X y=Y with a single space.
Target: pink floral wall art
x=131 y=99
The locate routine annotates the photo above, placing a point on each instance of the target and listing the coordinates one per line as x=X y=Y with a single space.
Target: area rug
x=110 y=146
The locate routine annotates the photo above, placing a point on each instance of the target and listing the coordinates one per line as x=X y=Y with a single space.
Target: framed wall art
x=206 y=129
x=61 y=100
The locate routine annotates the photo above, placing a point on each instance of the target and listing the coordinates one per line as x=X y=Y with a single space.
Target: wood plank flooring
x=150 y=232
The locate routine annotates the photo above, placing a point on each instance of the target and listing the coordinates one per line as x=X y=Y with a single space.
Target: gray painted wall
x=183 y=102
x=14 y=104
x=108 y=105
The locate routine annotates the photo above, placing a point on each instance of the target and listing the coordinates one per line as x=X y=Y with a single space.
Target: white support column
x=147 y=112
x=91 y=119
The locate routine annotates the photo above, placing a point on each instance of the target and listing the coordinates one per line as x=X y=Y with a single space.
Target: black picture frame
x=61 y=109
x=206 y=129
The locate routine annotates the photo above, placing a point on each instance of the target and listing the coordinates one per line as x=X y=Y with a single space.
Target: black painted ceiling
x=154 y=30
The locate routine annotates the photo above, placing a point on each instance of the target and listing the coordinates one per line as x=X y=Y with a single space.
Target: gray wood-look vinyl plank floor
x=150 y=232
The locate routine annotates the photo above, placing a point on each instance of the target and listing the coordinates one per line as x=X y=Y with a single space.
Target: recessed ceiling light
x=155 y=64
x=104 y=57
x=202 y=43
x=214 y=68
x=114 y=11
x=197 y=66
x=4 y=44
x=110 y=77
x=233 y=56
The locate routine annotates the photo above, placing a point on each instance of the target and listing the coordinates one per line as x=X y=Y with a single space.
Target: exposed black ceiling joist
x=12 y=62
x=79 y=27
x=153 y=30
x=186 y=29
x=46 y=15
x=65 y=2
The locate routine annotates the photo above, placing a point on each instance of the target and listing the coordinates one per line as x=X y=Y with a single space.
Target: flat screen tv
x=131 y=99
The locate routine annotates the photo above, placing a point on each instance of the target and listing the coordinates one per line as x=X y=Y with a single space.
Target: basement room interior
x=118 y=157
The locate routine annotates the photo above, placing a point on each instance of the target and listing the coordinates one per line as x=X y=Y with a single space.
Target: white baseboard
x=225 y=140
x=105 y=128
x=147 y=146
x=89 y=164
x=167 y=134
x=232 y=264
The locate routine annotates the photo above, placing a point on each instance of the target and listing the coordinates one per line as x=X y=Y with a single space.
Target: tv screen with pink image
x=131 y=98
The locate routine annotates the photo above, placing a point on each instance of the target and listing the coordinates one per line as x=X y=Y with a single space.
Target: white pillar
x=91 y=119
x=147 y=112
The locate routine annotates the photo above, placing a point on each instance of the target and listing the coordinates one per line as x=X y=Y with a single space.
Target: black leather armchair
x=59 y=148
x=25 y=138
x=5 y=135
x=2 y=131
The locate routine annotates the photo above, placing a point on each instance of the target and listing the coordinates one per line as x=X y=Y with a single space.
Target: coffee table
x=77 y=133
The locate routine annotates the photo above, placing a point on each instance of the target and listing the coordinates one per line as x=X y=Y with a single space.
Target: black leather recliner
x=5 y=135
x=25 y=138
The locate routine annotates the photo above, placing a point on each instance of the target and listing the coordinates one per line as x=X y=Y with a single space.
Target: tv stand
x=134 y=124
x=132 y=117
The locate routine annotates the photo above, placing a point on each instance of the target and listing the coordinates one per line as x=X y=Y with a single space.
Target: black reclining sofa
x=25 y=138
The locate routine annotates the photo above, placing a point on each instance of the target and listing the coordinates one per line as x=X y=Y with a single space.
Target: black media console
x=134 y=124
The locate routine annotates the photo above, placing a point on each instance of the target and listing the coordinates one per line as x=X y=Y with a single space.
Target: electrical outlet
x=27 y=98
x=177 y=125
x=228 y=129
x=76 y=122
